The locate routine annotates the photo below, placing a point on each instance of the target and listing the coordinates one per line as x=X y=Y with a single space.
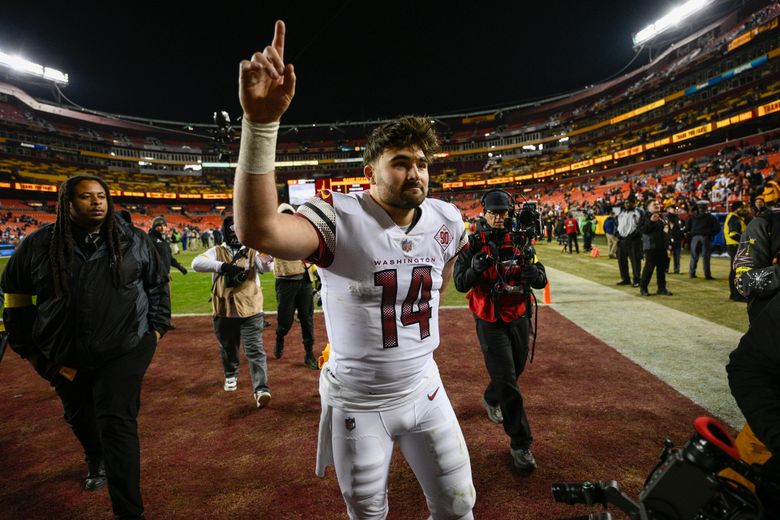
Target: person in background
x=588 y=231
x=754 y=378
x=676 y=236
x=157 y=234
x=702 y=226
x=86 y=302
x=629 y=242
x=756 y=262
x=655 y=245
x=497 y=276
x=294 y=293
x=237 y=304
x=610 y=227
x=732 y=232
x=572 y=230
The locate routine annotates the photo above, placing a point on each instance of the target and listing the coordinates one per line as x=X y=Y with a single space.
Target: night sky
x=354 y=60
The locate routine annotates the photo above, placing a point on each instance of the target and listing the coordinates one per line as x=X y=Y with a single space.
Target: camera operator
x=754 y=378
x=655 y=245
x=498 y=269
x=237 y=302
x=756 y=269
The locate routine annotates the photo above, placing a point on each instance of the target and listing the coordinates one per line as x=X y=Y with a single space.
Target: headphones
x=509 y=196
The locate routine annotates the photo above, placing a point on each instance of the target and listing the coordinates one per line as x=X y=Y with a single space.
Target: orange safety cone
x=546 y=294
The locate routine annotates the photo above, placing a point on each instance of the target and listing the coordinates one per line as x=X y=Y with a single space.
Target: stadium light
x=674 y=17
x=24 y=66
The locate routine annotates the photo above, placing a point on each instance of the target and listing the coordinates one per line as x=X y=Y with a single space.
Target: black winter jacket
x=164 y=250
x=96 y=321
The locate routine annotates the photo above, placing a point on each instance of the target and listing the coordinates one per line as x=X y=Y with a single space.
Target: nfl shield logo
x=406 y=245
x=349 y=422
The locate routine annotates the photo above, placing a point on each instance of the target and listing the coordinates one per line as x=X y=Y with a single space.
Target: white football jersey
x=380 y=287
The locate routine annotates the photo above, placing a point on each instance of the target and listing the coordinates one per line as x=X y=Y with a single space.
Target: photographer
x=754 y=378
x=498 y=269
x=655 y=245
x=237 y=302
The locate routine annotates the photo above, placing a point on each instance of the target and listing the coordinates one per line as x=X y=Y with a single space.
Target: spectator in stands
x=237 y=304
x=629 y=242
x=499 y=297
x=610 y=227
x=294 y=293
x=655 y=245
x=702 y=226
x=91 y=335
x=756 y=268
x=676 y=235
x=572 y=231
x=754 y=378
x=157 y=233
x=732 y=232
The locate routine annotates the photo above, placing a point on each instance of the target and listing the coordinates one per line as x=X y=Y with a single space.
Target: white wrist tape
x=258 y=147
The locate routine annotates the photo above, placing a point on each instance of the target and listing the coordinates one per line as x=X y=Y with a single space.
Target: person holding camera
x=237 y=302
x=756 y=262
x=754 y=378
x=498 y=270
x=655 y=245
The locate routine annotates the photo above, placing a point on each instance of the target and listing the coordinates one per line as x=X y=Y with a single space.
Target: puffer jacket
x=95 y=321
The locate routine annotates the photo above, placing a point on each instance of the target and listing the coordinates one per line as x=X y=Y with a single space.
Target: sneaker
x=262 y=398
x=664 y=292
x=96 y=476
x=644 y=292
x=493 y=412
x=231 y=384
x=310 y=361
x=623 y=282
x=523 y=459
x=635 y=284
x=709 y=277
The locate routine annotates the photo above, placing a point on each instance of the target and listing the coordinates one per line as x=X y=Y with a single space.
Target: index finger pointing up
x=278 y=43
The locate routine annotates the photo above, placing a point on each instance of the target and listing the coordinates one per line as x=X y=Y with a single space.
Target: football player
x=383 y=255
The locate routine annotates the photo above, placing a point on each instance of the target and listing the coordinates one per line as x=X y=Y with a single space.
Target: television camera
x=685 y=485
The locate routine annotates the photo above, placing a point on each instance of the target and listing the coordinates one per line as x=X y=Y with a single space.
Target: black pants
x=630 y=249
x=292 y=295
x=572 y=239
x=111 y=396
x=732 y=251
x=505 y=349
x=655 y=260
x=587 y=241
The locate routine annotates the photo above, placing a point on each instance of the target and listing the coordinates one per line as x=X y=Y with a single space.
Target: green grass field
x=699 y=297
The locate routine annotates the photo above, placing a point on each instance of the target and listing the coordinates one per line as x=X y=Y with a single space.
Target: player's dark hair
x=62 y=243
x=403 y=133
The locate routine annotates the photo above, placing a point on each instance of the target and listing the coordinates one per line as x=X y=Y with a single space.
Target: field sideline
x=698 y=297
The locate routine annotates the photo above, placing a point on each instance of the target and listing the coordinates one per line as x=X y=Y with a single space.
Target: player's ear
x=368 y=171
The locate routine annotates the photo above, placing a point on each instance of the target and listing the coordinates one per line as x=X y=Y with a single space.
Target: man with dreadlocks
x=101 y=305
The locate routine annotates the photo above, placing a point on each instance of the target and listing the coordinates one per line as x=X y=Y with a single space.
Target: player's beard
x=404 y=197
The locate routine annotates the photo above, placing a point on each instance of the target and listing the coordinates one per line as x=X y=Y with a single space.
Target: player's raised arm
x=266 y=86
